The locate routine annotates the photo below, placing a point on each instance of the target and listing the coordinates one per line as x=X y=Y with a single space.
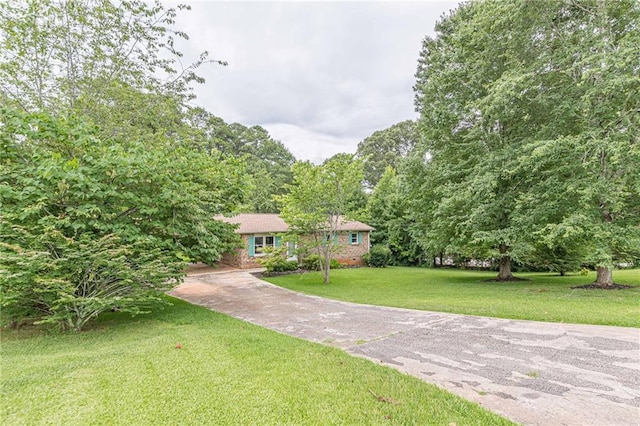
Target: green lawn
x=545 y=297
x=129 y=371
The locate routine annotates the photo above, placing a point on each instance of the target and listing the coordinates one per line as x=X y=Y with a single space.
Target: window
x=329 y=238
x=260 y=242
x=354 y=238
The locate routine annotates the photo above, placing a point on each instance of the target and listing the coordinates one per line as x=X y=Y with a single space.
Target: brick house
x=261 y=230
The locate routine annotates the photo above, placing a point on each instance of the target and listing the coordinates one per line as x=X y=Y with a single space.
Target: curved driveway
x=531 y=372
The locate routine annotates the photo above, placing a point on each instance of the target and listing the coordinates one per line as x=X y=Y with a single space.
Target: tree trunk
x=504 y=273
x=326 y=268
x=604 y=277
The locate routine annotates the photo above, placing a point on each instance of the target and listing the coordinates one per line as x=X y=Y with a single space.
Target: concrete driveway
x=530 y=372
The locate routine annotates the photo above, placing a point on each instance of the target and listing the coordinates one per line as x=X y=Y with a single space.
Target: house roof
x=255 y=223
x=354 y=225
x=258 y=223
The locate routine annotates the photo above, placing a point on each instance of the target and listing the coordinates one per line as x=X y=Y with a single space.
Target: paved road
x=531 y=372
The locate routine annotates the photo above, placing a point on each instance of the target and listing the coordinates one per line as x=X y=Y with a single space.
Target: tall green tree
x=113 y=63
x=520 y=109
x=476 y=190
x=63 y=54
x=386 y=148
x=319 y=201
x=387 y=213
x=586 y=157
x=268 y=160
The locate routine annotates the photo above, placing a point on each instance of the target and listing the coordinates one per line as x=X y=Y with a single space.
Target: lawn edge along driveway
x=530 y=372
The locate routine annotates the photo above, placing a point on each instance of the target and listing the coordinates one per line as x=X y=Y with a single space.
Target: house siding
x=250 y=225
x=230 y=259
x=346 y=253
x=246 y=261
x=351 y=254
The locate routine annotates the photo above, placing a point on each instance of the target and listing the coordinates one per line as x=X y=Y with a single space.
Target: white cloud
x=310 y=145
x=320 y=77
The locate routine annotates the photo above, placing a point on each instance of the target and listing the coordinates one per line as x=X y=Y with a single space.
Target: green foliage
x=80 y=55
x=534 y=139
x=117 y=170
x=312 y=262
x=275 y=260
x=386 y=148
x=471 y=191
x=69 y=281
x=584 y=192
x=319 y=200
x=334 y=264
x=68 y=195
x=268 y=161
x=378 y=257
x=387 y=212
x=561 y=259
x=59 y=174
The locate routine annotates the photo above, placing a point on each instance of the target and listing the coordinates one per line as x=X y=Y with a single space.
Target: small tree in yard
x=318 y=201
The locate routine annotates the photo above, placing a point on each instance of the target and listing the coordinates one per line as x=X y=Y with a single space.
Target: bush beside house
x=378 y=257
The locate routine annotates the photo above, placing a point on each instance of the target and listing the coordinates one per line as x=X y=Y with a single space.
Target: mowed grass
x=129 y=371
x=546 y=297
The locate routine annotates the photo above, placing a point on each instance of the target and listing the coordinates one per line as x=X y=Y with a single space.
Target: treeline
x=528 y=144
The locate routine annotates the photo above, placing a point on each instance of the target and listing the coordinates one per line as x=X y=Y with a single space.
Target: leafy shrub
x=60 y=280
x=378 y=257
x=334 y=264
x=275 y=260
x=88 y=224
x=312 y=263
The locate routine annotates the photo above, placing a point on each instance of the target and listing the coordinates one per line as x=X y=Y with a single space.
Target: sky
x=318 y=76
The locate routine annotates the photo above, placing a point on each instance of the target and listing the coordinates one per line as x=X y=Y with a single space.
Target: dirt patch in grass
x=505 y=280
x=594 y=286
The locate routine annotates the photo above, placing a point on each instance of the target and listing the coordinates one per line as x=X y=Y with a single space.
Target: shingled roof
x=262 y=223
x=256 y=223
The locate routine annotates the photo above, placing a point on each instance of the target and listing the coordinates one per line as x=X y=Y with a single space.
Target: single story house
x=261 y=230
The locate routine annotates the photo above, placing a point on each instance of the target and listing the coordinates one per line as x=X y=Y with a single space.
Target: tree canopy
x=387 y=212
x=529 y=111
x=387 y=148
x=74 y=54
x=268 y=160
x=104 y=189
